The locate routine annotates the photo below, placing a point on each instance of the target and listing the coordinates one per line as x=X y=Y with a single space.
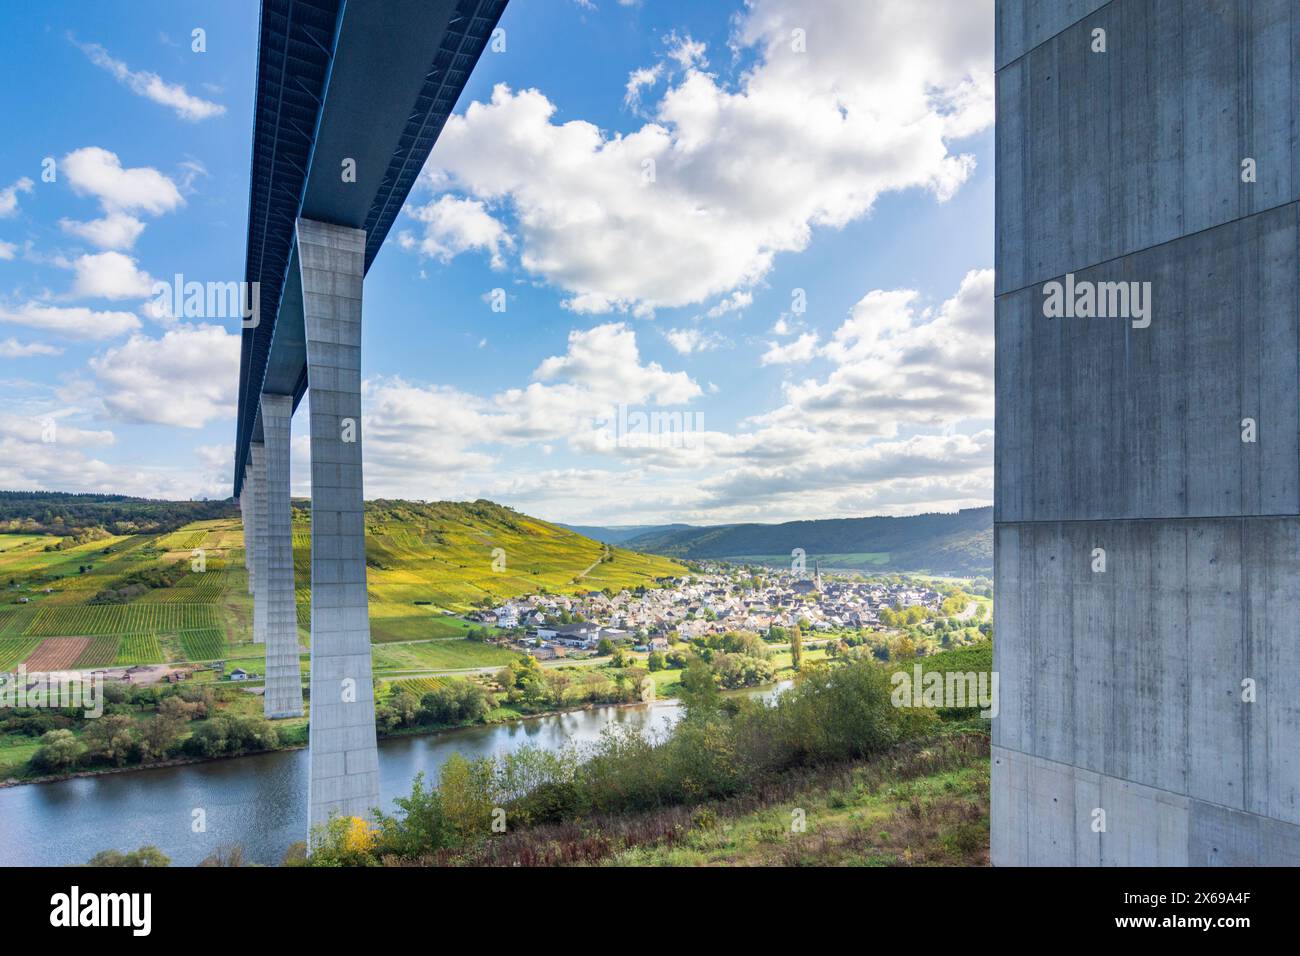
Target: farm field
x=182 y=596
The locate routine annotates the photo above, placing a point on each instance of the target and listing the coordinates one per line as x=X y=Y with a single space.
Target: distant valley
x=955 y=543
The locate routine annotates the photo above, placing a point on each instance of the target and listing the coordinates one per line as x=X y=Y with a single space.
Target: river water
x=259 y=801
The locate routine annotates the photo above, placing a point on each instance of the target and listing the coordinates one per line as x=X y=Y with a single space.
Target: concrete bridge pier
x=344 y=757
x=246 y=517
x=283 y=694
x=255 y=536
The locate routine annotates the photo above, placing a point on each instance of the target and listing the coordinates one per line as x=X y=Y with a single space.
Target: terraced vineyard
x=207 y=644
x=101 y=652
x=139 y=649
x=428 y=564
x=146 y=618
x=13 y=651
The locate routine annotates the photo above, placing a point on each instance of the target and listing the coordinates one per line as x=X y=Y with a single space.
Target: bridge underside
x=351 y=97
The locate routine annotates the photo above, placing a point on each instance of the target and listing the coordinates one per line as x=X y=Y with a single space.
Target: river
x=258 y=802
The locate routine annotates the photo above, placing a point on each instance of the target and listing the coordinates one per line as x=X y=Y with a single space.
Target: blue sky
x=654 y=187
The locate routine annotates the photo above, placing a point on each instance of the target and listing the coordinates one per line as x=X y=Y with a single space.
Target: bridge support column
x=245 y=514
x=344 y=758
x=257 y=540
x=283 y=694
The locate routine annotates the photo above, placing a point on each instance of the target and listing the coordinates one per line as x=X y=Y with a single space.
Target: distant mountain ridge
x=956 y=543
x=619 y=533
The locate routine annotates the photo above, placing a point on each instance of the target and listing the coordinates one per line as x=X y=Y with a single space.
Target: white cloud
x=639 y=80
x=899 y=364
x=9 y=196
x=800 y=350
x=741 y=173
x=687 y=341
x=27 y=462
x=12 y=348
x=733 y=303
x=7 y=250
x=110 y=275
x=186 y=378
x=76 y=322
x=122 y=192
x=51 y=426
x=114 y=231
x=686 y=52
x=605 y=361
x=453 y=226
x=153 y=87
x=97 y=172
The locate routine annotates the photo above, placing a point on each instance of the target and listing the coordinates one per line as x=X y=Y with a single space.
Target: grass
x=439 y=655
x=207 y=644
x=101 y=652
x=441 y=555
x=119 y=619
x=13 y=651
x=140 y=649
x=919 y=805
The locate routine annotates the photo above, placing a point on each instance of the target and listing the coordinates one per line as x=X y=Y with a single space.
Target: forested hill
x=958 y=543
x=56 y=512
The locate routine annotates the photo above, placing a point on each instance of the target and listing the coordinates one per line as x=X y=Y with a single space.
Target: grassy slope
x=441 y=553
x=921 y=805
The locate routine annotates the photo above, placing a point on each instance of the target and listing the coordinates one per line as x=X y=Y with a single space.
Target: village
x=719 y=599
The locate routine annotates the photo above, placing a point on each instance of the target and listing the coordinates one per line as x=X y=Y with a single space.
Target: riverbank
x=259 y=801
x=501 y=716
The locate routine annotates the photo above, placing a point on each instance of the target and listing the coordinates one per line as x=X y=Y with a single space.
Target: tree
x=656 y=661
x=465 y=787
x=557 y=682
x=111 y=737
x=59 y=750
x=422 y=828
x=604 y=647
x=160 y=735
x=145 y=856
x=796 y=647
x=699 y=691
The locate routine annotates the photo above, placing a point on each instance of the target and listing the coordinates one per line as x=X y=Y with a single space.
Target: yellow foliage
x=361 y=836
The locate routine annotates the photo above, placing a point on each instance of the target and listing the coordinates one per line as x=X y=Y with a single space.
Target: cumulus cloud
x=9 y=196
x=35 y=456
x=186 y=378
x=453 y=226
x=733 y=303
x=12 y=348
x=800 y=350
x=114 y=231
x=687 y=341
x=700 y=200
x=152 y=86
x=74 y=322
x=94 y=171
x=122 y=192
x=110 y=275
x=898 y=364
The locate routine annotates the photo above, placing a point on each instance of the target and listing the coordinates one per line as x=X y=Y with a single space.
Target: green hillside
x=94 y=598
x=959 y=543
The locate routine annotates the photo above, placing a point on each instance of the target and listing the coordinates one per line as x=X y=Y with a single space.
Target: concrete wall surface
x=1147 y=467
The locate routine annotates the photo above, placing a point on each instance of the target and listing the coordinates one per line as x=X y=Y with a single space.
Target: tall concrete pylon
x=282 y=696
x=344 y=755
x=1147 y=475
x=257 y=510
x=246 y=524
